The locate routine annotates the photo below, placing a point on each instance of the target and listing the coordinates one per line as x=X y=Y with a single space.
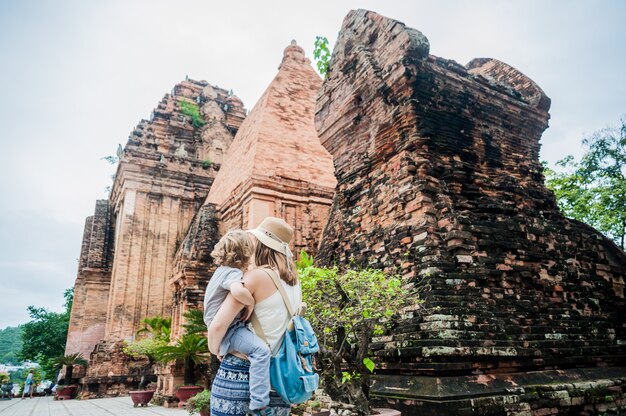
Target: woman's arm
x=223 y=318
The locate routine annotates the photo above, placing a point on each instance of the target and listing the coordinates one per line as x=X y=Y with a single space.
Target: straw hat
x=274 y=233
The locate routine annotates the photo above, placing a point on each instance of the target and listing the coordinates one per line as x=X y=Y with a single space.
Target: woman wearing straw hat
x=229 y=392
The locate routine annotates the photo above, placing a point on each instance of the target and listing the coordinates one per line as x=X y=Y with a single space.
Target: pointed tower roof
x=278 y=138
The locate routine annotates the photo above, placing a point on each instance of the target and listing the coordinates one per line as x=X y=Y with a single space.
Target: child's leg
x=245 y=342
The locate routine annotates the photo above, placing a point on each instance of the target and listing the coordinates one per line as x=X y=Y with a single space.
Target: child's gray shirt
x=217 y=290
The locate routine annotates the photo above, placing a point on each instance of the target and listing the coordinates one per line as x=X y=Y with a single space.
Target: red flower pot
x=66 y=392
x=141 y=397
x=185 y=392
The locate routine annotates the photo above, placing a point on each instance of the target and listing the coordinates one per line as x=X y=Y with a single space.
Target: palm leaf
x=157 y=326
x=194 y=322
x=192 y=347
x=69 y=360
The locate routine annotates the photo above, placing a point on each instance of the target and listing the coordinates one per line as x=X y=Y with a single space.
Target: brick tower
x=439 y=178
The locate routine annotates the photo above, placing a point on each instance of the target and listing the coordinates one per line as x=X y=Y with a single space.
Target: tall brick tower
x=439 y=178
x=91 y=289
x=164 y=176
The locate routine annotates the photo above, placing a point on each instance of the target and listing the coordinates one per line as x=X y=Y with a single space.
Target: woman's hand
x=223 y=318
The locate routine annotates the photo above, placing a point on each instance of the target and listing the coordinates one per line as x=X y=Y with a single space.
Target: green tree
x=321 y=54
x=44 y=337
x=10 y=344
x=346 y=309
x=10 y=358
x=593 y=190
x=69 y=361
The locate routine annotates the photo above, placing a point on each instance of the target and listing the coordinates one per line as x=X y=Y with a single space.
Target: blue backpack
x=291 y=369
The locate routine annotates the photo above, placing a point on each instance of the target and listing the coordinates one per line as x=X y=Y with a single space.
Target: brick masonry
x=276 y=165
x=92 y=283
x=439 y=179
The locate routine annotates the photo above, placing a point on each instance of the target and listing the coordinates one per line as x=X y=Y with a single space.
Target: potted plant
x=346 y=308
x=191 y=349
x=158 y=334
x=65 y=389
x=200 y=403
x=6 y=387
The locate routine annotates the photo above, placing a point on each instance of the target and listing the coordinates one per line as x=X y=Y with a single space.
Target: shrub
x=201 y=402
x=346 y=308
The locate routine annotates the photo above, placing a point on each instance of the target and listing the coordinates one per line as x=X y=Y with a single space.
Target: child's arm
x=220 y=323
x=242 y=294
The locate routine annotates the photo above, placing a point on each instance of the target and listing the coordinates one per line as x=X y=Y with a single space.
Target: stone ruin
x=437 y=178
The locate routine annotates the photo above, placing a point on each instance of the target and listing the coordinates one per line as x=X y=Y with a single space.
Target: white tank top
x=273 y=314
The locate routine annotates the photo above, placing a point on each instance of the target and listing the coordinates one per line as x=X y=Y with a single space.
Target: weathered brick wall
x=439 y=178
x=111 y=372
x=91 y=289
x=164 y=175
x=589 y=391
x=303 y=205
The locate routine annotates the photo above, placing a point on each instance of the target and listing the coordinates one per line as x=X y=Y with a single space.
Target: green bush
x=201 y=402
x=156 y=334
x=192 y=111
x=346 y=308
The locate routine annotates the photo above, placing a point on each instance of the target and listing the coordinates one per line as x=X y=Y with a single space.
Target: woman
x=230 y=389
x=28 y=385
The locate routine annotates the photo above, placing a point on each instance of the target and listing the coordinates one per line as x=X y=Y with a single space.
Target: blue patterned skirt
x=230 y=392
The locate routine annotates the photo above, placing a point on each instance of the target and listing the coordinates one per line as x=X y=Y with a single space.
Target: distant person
x=28 y=385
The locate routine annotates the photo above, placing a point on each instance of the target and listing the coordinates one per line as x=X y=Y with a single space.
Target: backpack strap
x=274 y=276
x=254 y=320
x=258 y=329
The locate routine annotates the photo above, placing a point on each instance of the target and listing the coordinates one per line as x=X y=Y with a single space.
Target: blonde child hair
x=234 y=249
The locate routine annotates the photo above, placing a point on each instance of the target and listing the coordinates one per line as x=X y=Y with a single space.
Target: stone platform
x=115 y=406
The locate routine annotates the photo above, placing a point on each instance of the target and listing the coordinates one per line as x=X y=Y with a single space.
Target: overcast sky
x=76 y=76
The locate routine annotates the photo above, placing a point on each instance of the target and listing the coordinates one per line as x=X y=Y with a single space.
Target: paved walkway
x=116 y=406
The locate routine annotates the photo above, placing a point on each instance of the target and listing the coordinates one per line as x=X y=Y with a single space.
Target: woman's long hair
x=265 y=256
